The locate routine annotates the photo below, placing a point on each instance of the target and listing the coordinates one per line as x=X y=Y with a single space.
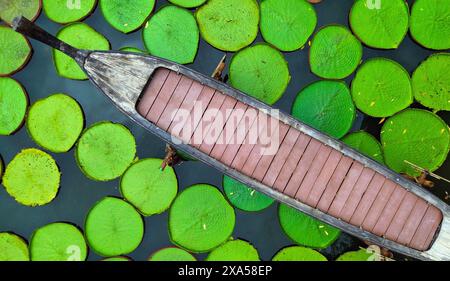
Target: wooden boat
x=309 y=171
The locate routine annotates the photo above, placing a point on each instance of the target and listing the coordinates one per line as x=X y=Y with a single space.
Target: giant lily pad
x=360 y=255
x=79 y=35
x=55 y=123
x=244 y=197
x=326 y=106
x=417 y=136
x=172 y=33
x=287 y=24
x=32 y=178
x=13 y=105
x=148 y=188
x=296 y=253
x=430 y=23
x=105 y=151
x=15 y=51
x=382 y=88
x=126 y=15
x=335 y=53
x=234 y=250
x=382 y=26
x=64 y=11
x=200 y=219
x=260 y=71
x=13 y=248
x=305 y=230
x=9 y=9
x=58 y=242
x=172 y=254
x=366 y=144
x=431 y=82
x=188 y=3
x=229 y=25
x=113 y=227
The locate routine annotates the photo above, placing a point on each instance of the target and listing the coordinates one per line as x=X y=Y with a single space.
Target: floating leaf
x=67 y=11
x=15 y=51
x=9 y=9
x=229 y=25
x=417 y=136
x=126 y=15
x=296 y=253
x=13 y=105
x=188 y=3
x=132 y=50
x=260 y=71
x=326 y=106
x=244 y=197
x=119 y=258
x=234 y=250
x=287 y=24
x=13 y=248
x=200 y=218
x=366 y=144
x=381 y=88
x=172 y=254
x=360 y=255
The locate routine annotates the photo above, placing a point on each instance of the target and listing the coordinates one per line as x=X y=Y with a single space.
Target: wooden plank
x=427 y=229
x=152 y=91
x=163 y=97
x=400 y=218
x=378 y=205
x=413 y=222
x=389 y=211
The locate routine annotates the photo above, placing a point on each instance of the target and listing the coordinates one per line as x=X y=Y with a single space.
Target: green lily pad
x=13 y=105
x=105 y=151
x=13 y=248
x=63 y=11
x=366 y=144
x=172 y=254
x=430 y=23
x=296 y=253
x=188 y=3
x=113 y=227
x=55 y=123
x=132 y=50
x=32 y=178
x=287 y=24
x=126 y=15
x=234 y=250
x=229 y=25
x=417 y=136
x=200 y=219
x=15 y=51
x=431 y=82
x=305 y=230
x=383 y=26
x=335 y=53
x=381 y=88
x=172 y=34
x=360 y=255
x=149 y=189
x=82 y=36
x=260 y=71
x=326 y=106
x=58 y=242
x=119 y=258
x=9 y=9
x=244 y=197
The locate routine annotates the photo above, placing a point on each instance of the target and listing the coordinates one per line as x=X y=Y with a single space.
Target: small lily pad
x=360 y=255
x=244 y=197
x=82 y=36
x=132 y=50
x=381 y=88
x=172 y=254
x=188 y=3
x=58 y=242
x=55 y=123
x=417 y=136
x=335 y=53
x=326 y=106
x=148 y=188
x=305 y=230
x=260 y=71
x=119 y=258
x=200 y=219
x=287 y=24
x=10 y=9
x=431 y=82
x=172 y=34
x=105 y=151
x=13 y=248
x=64 y=11
x=366 y=144
x=13 y=105
x=229 y=25
x=430 y=23
x=234 y=250
x=15 y=51
x=32 y=178
x=113 y=227
x=126 y=15
x=296 y=253
x=384 y=26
